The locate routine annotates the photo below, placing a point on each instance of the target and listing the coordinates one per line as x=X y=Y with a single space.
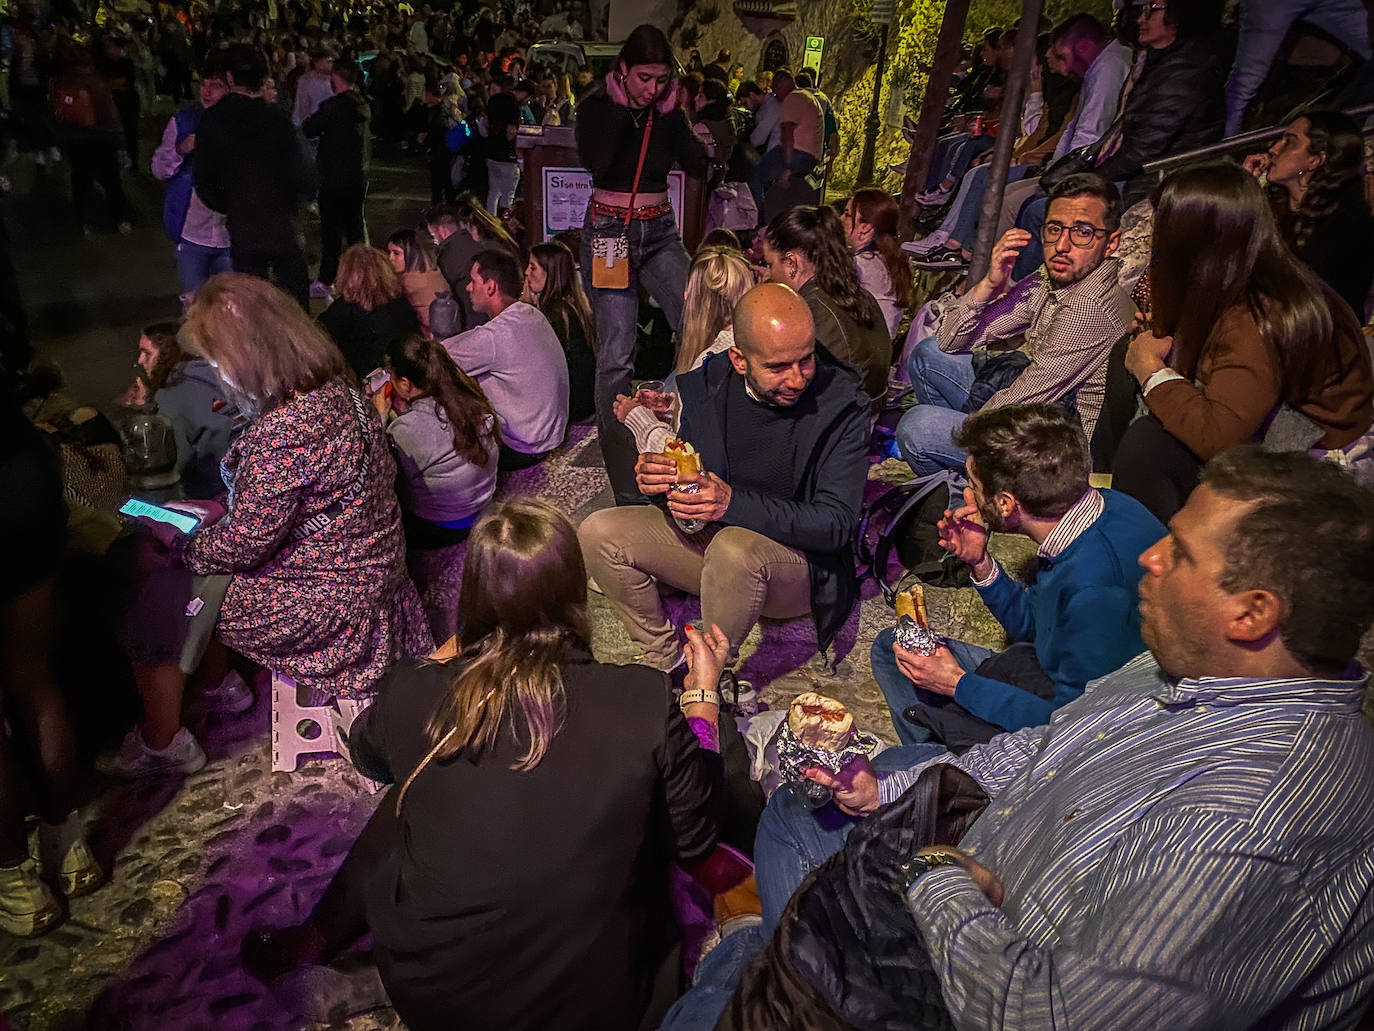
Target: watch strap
x=697 y=694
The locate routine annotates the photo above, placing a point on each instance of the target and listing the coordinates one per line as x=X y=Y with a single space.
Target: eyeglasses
x=1081 y=234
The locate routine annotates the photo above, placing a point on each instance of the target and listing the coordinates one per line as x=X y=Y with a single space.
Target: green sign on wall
x=815 y=46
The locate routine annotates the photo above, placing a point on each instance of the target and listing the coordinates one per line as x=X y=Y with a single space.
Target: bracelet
x=698 y=695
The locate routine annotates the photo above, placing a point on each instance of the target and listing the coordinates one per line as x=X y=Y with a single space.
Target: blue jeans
x=902 y=694
x=196 y=263
x=771 y=165
x=660 y=264
x=793 y=840
x=939 y=157
x=941 y=384
x=962 y=156
x=968 y=209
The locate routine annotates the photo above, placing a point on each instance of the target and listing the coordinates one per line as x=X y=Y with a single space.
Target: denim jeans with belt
x=660 y=264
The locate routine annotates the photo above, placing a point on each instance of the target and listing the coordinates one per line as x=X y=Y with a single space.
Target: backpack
x=445 y=316
x=73 y=105
x=903 y=518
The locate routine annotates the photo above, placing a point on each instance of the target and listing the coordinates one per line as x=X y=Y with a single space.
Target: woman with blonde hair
x=304 y=571
x=370 y=309
x=516 y=878
x=720 y=276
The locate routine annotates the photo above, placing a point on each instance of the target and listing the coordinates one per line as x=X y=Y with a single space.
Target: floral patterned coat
x=331 y=605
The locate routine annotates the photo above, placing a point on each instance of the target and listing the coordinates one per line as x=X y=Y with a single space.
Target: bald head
x=775 y=343
x=769 y=313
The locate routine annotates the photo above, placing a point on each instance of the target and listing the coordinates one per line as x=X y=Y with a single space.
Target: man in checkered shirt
x=1064 y=318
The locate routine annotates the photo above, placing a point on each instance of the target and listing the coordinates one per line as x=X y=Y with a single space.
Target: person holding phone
x=630 y=134
x=303 y=570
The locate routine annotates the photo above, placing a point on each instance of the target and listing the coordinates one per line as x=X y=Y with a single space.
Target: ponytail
x=818 y=234
x=469 y=415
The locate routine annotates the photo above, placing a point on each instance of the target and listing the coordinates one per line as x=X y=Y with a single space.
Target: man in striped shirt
x=1070 y=313
x=1190 y=843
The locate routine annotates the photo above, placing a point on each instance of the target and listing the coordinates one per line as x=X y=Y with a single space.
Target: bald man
x=782 y=429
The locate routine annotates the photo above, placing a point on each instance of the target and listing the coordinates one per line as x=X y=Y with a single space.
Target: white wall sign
x=568 y=191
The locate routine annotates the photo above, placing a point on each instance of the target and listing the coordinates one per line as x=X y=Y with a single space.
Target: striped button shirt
x=1197 y=854
x=1069 y=334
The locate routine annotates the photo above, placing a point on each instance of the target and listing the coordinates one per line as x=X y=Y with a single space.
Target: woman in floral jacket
x=311 y=543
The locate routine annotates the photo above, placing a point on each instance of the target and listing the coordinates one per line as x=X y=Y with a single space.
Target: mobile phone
x=183 y=522
x=376 y=379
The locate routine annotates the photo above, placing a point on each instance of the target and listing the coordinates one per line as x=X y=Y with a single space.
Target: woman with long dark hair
x=421 y=279
x=516 y=877
x=870 y=225
x=444 y=435
x=630 y=133
x=1243 y=338
x=805 y=248
x=555 y=288
x=1315 y=186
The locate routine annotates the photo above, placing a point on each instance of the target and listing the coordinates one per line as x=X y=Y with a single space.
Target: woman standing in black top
x=517 y=877
x=639 y=98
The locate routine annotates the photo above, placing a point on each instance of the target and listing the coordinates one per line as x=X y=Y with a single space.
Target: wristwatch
x=921 y=863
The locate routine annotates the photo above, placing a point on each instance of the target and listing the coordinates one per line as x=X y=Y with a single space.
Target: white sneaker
x=66 y=858
x=932 y=198
x=136 y=759
x=926 y=244
x=230 y=695
x=319 y=290
x=27 y=905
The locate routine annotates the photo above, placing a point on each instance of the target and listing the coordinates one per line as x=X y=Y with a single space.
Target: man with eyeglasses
x=1064 y=319
x=1175 y=104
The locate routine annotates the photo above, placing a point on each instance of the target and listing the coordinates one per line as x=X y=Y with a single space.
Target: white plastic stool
x=288 y=718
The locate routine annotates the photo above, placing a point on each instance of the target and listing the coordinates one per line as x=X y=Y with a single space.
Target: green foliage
x=910 y=49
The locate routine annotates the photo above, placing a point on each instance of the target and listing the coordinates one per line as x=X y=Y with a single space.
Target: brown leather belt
x=638 y=214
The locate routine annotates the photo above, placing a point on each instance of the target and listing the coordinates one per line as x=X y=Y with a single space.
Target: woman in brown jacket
x=1245 y=343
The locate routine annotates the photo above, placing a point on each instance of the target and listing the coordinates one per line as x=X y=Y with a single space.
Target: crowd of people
x=1150 y=808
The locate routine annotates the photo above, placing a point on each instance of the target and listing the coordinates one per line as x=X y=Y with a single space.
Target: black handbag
x=846 y=953
x=1080 y=159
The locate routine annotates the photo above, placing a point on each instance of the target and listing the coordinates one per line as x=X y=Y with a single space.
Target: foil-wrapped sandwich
x=819 y=732
x=913 y=624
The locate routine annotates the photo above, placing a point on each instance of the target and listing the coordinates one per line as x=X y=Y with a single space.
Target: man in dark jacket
x=250 y=165
x=1175 y=104
x=340 y=125
x=782 y=430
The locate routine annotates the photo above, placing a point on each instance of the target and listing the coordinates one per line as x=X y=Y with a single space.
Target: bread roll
x=686 y=457
x=912 y=602
x=820 y=722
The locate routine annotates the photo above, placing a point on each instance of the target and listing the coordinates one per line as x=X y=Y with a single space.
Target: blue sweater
x=1081 y=614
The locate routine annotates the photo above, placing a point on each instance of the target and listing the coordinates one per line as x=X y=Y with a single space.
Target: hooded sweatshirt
x=205 y=421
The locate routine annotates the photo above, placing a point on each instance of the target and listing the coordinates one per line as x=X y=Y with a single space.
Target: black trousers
x=1154 y=467
x=341 y=225
x=285 y=264
x=95 y=159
